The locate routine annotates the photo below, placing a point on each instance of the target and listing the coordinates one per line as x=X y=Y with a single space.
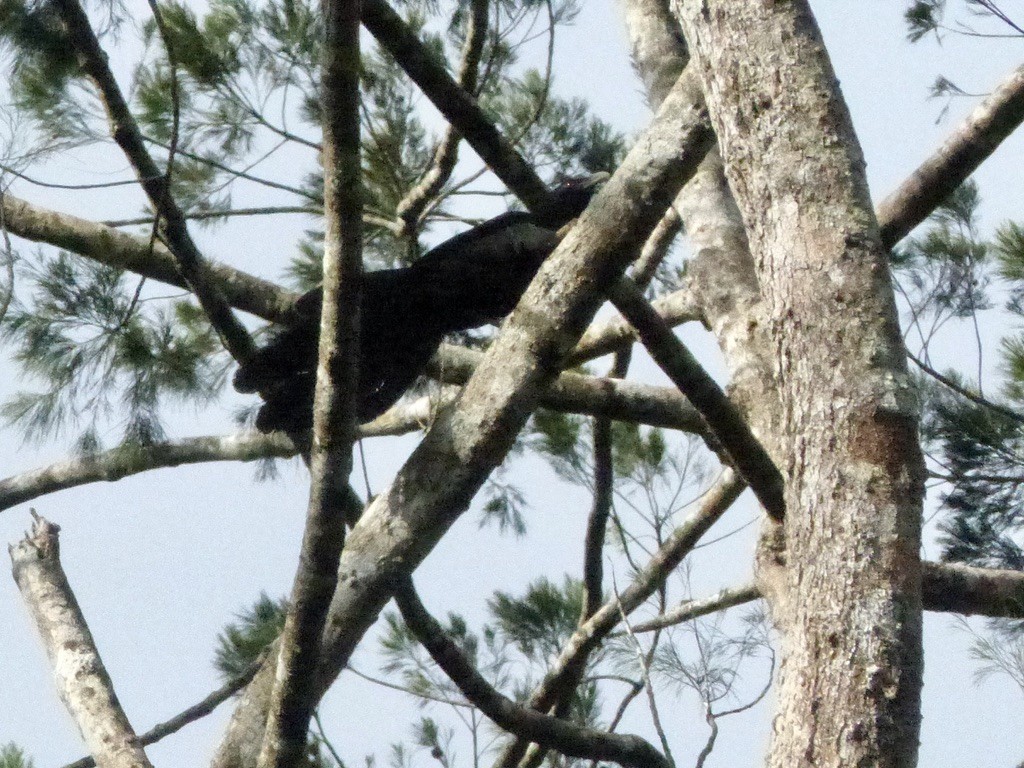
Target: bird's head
x=569 y=199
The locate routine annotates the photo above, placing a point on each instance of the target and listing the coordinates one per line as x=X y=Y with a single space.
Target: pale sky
x=161 y=561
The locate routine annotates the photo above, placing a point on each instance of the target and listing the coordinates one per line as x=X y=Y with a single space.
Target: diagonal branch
x=190 y=715
x=458 y=107
x=961 y=153
x=463 y=446
x=692 y=609
x=965 y=392
x=590 y=634
x=723 y=418
x=446 y=154
x=93 y=61
x=82 y=681
x=550 y=732
x=335 y=416
x=610 y=335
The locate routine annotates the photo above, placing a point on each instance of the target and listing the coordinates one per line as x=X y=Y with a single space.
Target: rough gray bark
x=82 y=680
x=335 y=409
x=438 y=481
x=721 y=285
x=848 y=599
x=959 y=156
x=136 y=254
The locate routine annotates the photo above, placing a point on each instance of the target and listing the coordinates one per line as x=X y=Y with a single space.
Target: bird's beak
x=596 y=178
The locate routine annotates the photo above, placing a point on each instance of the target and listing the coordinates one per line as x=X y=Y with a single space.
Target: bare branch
x=335 y=407
x=964 y=589
x=946 y=588
x=692 y=609
x=225 y=214
x=607 y=336
x=645 y=676
x=723 y=418
x=93 y=61
x=550 y=732
x=298 y=191
x=111 y=466
x=118 y=249
x=458 y=107
x=195 y=712
x=82 y=680
x=958 y=157
x=565 y=669
x=966 y=393
x=620 y=400
x=657 y=247
x=597 y=520
x=446 y=154
x=449 y=465
x=575 y=393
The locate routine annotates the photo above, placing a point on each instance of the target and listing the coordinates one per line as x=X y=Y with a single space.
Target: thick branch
x=462 y=447
x=93 y=61
x=458 y=107
x=956 y=588
x=575 y=393
x=550 y=732
x=335 y=418
x=185 y=717
x=946 y=588
x=961 y=153
x=847 y=426
x=82 y=680
x=723 y=418
x=597 y=520
x=571 y=393
x=119 y=249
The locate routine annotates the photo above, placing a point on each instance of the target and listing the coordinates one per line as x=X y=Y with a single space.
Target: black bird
x=467 y=281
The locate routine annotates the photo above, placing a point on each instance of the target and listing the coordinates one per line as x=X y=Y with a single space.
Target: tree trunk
x=842 y=574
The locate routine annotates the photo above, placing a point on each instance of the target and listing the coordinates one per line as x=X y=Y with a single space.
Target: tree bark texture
x=335 y=420
x=844 y=578
x=82 y=680
x=439 y=480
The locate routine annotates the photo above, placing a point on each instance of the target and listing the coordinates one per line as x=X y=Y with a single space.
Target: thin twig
x=226 y=214
x=645 y=675
x=966 y=393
